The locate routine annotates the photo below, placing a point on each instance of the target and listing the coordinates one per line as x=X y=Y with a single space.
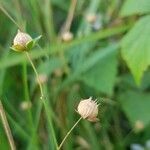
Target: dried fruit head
x=88 y=109
x=21 y=40
x=67 y=36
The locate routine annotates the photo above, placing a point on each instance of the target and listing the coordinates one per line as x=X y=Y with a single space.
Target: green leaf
x=136 y=48
x=132 y=7
x=37 y=39
x=89 y=63
x=136 y=106
x=50 y=65
x=33 y=42
x=30 y=45
x=102 y=75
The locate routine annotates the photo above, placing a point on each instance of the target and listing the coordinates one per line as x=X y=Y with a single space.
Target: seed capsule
x=25 y=105
x=67 y=36
x=91 y=18
x=88 y=109
x=21 y=40
x=139 y=126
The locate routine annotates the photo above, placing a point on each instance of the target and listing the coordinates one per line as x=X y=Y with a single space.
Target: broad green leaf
x=136 y=106
x=132 y=7
x=127 y=81
x=102 y=75
x=89 y=63
x=136 y=48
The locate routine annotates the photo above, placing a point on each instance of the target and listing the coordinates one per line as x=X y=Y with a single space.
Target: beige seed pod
x=21 y=40
x=25 y=105
x=88 y=109
x=67 y=36
x=139 y=126
x=91 y=18
x=43 y=78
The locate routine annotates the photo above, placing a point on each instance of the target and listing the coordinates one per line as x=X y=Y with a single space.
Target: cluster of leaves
x=95 y=63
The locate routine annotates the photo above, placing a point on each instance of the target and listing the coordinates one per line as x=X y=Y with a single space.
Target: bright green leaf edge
x=135 y=7
x=136 y=48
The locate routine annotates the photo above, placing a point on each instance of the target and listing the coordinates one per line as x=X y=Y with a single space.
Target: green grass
x=90 y=64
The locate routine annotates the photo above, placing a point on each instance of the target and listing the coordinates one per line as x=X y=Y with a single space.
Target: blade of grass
x=48 y=20
x=34 y=7
x=13 y=112
x=26 y=94
x=6 y=127
x=92 y=136
x=36 y=124
x=9 y=16
x=51 y=131
x=16 y=59
x=18 y=128
x=44 y=100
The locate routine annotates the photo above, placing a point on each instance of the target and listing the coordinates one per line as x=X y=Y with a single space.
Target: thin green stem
x=10 y=17
x=26 y=93
x=43 y=99
x=49 y=24
x=48 y=114
x=68 y=133
x=36 y=73
x=6 y=127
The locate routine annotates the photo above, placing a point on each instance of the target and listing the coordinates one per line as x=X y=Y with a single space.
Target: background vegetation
x=107 y=59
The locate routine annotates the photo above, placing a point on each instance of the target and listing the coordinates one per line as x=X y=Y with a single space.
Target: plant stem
x=6 y=127
x=48 y=115
x=69 y=19
x=9 y=16
x=68 y=133
x=36 y=73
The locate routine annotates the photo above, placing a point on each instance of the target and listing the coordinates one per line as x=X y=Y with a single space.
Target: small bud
x=139 y=126
x=58 y=72
x=88 y=109
x=67 y=36
x=42 y=78
x=91 y=18
x=97 y=24
x=21 y=40
x=25 y=105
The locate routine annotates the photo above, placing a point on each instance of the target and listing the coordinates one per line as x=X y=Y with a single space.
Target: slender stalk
x=69 y=19
x=43 y=99
x=6 y=127
x=10 y=17
x=36 y=73
x=26 y=94
x=68 y=133
x=66 y=28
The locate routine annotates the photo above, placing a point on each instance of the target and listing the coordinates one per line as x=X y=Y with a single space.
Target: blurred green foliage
x=108 y=59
